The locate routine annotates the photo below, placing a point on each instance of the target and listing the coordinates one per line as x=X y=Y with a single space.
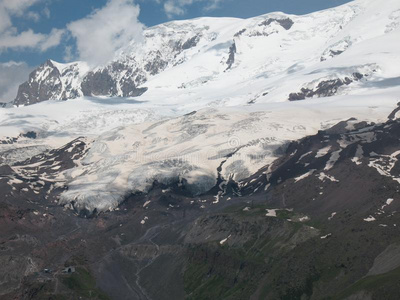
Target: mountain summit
x=274 y=57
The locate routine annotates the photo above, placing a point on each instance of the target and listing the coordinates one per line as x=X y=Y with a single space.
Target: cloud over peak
x=99 y=35
x=175 y=8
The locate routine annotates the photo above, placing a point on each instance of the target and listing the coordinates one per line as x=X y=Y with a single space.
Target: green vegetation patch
x=84 y=284
x=43 y=291
x=373 y=284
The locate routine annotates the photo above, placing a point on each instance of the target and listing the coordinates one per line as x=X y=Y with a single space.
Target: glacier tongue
x=189 y=149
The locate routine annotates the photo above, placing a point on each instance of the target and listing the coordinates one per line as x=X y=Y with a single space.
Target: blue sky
x=32 y=31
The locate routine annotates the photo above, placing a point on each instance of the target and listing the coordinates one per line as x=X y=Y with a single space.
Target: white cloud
x=17 y=5
x=175 y=8
x=10 y=8
x=11 y=38
x=46 y=12
x=53 y=39
x=30 y=39
x=102 y=33
x=172 y=9
x=33 y=15
x=25 y=39
x=68 y=55
x=211 y=5
x=12 y=74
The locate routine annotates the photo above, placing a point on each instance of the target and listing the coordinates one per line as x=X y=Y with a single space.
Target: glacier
x=216 y=99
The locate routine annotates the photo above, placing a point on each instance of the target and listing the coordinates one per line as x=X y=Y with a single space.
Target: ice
x=387 y=203
x=358 y=155
x=224 y=240
x=322 y=152
x=271 y=212
x=326 y=236
x=384 y=164
x=144 y=220
x=322 y=176
x=370 y=219
x=309 y=173
x=332 y=160
x=304 y=155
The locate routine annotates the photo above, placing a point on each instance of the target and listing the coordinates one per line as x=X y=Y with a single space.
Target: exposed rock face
x=103 y=83
x=336 y=49
x=156 y=65
x=53 y=81
x=12 y=140
x=99 y=83
x=231 y=58
x=240 y=32
x=190 y=43
x=123 y=77
x=264 y=28
x=325 y=88
x=109 y=82
x=44 y=83
x=286 y=23
x=393 y=114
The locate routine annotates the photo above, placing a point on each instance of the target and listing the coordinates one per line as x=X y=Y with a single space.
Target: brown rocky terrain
x=320 y=223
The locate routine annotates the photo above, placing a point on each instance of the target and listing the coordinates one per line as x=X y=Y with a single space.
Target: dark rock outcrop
x=286 y=23
x=392 y=115
x=99 y=83
x=105 y=82
x=325 y=88
x=231 y=58
x=190 y=43
x=240 y=32
x=336 y=49
x=156 y=65
x=43 y=84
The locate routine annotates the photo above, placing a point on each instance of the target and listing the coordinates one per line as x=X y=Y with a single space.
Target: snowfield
x=223 y=102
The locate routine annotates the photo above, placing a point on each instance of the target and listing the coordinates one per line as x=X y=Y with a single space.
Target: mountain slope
x=210 y=113
x=237 y=61
x=198 y=150
x=330 y=233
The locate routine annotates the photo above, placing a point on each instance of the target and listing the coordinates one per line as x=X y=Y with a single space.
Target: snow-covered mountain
x=323 y=53
x=252 y=158
x=217 y=99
